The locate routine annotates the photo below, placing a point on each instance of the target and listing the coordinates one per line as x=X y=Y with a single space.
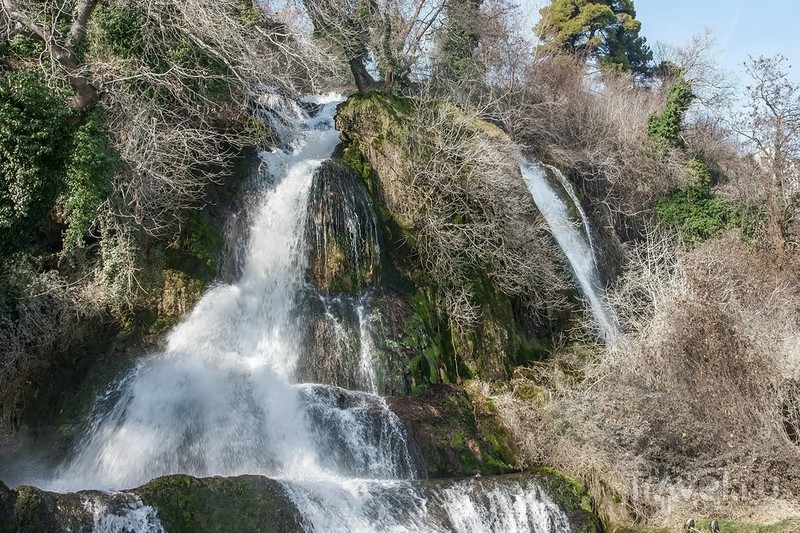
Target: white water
x=477 y=505
x=126 y=516
x=567 y=186
x=220 y=400
x=366 y=365
x=575 y=244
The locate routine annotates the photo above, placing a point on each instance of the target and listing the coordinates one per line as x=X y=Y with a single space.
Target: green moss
x=570 y=490
x=243 y=503
x=573 y=497
x=34 y=513
x=458 y=440
x=193 y=252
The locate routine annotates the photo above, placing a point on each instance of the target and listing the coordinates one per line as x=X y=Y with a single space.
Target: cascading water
x=577 y=246
x=221 y=399
x=567 y=186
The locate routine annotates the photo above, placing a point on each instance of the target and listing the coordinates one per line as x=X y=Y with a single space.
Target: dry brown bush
x=695 y=407
x=597 y=127
x=472 y=213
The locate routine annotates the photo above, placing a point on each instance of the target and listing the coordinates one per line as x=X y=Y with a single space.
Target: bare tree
x=712 y=87
x=60 y=46
x=771 y=127
x=393 y=32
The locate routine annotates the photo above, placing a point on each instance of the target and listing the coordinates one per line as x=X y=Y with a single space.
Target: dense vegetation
x=120 y=122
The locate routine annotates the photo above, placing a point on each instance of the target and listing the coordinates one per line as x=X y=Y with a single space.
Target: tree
x=346 y=26
x=772 y=127
x=457 y=39
x=606 y=30
x=62 y=46
x=393 y=32
x=665 y=127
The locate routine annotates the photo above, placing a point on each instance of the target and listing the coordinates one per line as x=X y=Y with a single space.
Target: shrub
x=698 y=213
x=89 y=178
x=120 y=30
x=32 y=155
x=665 y=127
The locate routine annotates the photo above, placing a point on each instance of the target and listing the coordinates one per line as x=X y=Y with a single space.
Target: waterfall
x=220 y=399
x=223 y=398
x=366 y=349
x=567 y=186
x=577 y=245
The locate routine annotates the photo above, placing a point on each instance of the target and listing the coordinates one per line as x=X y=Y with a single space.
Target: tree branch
x=86 y=94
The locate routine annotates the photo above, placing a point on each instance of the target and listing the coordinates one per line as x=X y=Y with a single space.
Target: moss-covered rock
x=397 y=153
x=182 y=503
x=344 y=256
x=573 y=498
x=32 y=510
x=378 y=146
x=242 y=503
x=457 y=435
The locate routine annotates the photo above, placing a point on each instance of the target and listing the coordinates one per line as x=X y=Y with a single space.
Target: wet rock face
x=457 y=435
x=364 y=342
x=241 y=503
x=29 y=509
x=344 y=255
x=169 y=503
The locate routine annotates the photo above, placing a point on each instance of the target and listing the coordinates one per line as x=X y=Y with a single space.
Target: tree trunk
x=364 y=81
x=86 y=94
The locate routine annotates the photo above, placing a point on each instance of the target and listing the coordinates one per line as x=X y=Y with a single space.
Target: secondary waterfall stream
x=577 y=246
x=221 y=398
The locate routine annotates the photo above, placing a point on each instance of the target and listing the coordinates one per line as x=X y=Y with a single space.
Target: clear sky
x=740 y=27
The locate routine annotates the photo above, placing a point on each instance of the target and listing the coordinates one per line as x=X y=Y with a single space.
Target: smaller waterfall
x=515 y=504
x=576 y=245
x=567 y=186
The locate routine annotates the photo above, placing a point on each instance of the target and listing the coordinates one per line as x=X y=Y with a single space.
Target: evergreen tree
x=606 y=30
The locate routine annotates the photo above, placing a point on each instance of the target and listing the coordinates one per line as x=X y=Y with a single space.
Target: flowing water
x=577 y=245
x=221 y=398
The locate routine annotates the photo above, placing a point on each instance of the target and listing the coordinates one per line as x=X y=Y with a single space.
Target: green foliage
x=698 y=213
x=699 y=171
x=457 y=40
x=193 y=252
x=604 y=29
x=124 y=31
x=33 y=135
x=120 y=30
x=89 y=177
x=25 y=47
x=665 y=128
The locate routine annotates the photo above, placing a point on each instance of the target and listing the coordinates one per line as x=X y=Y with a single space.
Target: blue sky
x=740 y=27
